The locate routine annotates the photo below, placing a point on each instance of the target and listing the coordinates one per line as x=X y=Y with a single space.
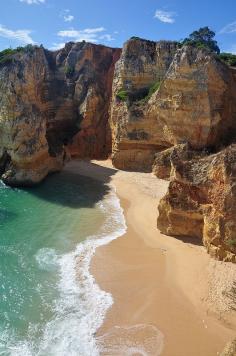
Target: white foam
x=139 y=339
x=82 y=305
x=3 y=185
x=47 y=259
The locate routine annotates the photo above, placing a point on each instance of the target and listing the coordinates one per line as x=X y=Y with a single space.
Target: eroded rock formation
x=143 y=64
x=53 y=104
x=162 y=167
x=194 y=101
x=200 y=202
x=230 y=349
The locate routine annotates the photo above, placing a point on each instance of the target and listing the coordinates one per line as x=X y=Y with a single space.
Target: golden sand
x=170 y=297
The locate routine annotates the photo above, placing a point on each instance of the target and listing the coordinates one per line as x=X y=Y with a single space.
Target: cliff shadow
x=81 y=184
x=231 y=295
x=189 y=240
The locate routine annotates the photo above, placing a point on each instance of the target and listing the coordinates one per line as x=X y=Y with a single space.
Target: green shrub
x=196 y=44
x=69 y=71
x=122 y=95
x=6 y=56
x=231 y=243
x=202 y=38
x=28 y=49
x=140 y=96
x=179 y=44
x=228 y=58
x=153 y=88
x=200 y=45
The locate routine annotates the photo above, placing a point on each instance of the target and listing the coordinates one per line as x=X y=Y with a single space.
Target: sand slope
x=170 y=297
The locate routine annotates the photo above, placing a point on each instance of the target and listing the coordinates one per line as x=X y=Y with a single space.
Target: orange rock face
x=193 y=102
x=196 y=101
x=94 y=137
x=54 y=104
x=142 y=65
x=200 y=202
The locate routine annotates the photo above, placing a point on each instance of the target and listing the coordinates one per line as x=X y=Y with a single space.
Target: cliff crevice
x=53 y=105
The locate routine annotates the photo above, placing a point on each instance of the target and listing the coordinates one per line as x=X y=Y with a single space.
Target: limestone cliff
x=51 y=104
x=200 y=202
x=162 y=166
x=143 y=64
x=192 y=101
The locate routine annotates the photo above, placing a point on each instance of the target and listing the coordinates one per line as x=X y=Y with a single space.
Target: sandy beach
x=170 y=297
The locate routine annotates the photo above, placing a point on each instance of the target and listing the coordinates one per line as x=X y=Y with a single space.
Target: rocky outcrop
x=196 y=101
x=27 y=155
x=143 y=64
x=200 y=202
x=94 y=71
x=162 y=164
x=193 y=102
x=230 y=349
x=53 y=104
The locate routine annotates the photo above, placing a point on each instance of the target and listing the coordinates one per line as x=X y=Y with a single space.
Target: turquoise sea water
x=46 y=307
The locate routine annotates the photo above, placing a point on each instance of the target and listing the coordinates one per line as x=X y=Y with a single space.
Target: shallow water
x=46 y=307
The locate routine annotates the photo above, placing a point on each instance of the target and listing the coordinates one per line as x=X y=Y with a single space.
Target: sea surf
x=50 y=304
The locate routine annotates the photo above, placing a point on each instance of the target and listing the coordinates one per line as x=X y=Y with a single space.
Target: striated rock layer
x=192 y=101
x=200 y=202
x=135 y=133
x=53 y=104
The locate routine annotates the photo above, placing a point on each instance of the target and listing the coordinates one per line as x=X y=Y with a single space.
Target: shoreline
x=161 y=286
